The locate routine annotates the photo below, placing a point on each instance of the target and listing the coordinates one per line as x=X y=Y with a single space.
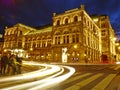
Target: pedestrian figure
x=19 y=64
x=12 y=64
x=9 y=65
x=4 y=63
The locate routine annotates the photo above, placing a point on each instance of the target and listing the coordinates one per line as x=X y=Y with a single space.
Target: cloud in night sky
x=39 y=12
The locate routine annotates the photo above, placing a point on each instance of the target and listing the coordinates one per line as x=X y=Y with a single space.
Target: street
x=93 y=77
x=37 y=76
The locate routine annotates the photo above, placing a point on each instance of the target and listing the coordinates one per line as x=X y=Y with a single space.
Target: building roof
x=42 y=29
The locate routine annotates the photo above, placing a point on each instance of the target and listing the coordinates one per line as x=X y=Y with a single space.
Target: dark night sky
x=39 y=12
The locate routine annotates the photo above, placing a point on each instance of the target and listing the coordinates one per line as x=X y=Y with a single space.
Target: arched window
x=66 y=21
x=49 y=43
x=43 y=41
x=34 y=45
x=58 y=22
x=20 y=32
x=85 y=21
x=76 y=19
x=59 y=40
x=67 y=41
x=19 y=43
x=73 y=38
x=55 y=40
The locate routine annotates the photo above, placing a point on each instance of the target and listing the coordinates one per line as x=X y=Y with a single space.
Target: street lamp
x=31 y=52
x=5 y=50
x=31 y=49
x=75 y=46
x=119 y=47
x=117 y=44
x=76 y=54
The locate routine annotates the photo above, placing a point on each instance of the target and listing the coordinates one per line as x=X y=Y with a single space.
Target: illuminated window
x=49 y=43
x=58 y=22
x=66 y=21
x=64 y=39
x=34 y=45
x=20 y=33
x=27 y=45
x=67 y=39
x=77 y=38
x=38 y=44
x=85 y=20
x=20 y=44
x=73 y=38
x=75 y=18
x=43 y=44
x=103 y=32
x=58 y=40
x=55 y=40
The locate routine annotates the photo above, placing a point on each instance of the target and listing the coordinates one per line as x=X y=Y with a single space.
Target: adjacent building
x=108 y=37
x=74 y=36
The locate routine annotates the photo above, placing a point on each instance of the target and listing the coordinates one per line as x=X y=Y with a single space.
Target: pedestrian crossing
x=82 y=81
x=104 y=83
x=89 y=78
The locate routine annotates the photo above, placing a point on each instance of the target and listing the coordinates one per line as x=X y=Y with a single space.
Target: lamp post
x=85 y=58
x=31 y=52
x=75 y=46
x=76 y=54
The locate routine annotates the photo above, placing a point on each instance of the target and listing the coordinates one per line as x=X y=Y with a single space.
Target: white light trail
x=38 y=73
x=43 y=83
x=31 y=84
x=54 y=81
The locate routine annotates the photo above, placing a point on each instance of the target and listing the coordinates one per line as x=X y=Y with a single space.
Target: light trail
x=53 y=81
x=38 y=73
x=43 y=83
x=31 y=84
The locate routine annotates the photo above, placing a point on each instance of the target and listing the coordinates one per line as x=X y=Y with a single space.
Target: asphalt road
x=85 y=77
x=92 y=77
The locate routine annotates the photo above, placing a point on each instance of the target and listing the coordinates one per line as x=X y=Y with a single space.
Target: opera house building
x=74 y=36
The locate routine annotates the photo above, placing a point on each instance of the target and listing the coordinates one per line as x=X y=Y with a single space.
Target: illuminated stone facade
x=73 y=37
x=107 y=36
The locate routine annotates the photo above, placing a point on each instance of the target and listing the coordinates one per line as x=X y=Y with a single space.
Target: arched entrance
x=104 y=58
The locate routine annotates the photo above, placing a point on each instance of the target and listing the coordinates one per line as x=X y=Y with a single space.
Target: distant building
x=73 y=37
